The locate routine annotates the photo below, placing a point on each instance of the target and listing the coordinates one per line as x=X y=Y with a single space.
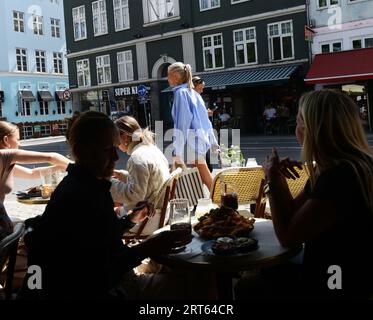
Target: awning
x=60 y=96
x=27 y=95
x=1 y=96
x=247 y=77
x=45 y=95
x=340 y=67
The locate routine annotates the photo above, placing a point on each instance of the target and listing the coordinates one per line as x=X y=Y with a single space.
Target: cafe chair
x=189 y=186
x=8 y=255
x=145 y=228
x=249 y=183
x=296 y=186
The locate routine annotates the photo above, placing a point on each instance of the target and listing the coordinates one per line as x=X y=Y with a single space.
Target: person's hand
x=121 y=175
x=285 y=167
x=164 y=242
x=210 y=112
x=142 y=211
x=178 y=163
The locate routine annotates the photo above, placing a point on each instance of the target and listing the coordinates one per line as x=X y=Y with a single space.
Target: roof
x=343 y=66
x=248 y=77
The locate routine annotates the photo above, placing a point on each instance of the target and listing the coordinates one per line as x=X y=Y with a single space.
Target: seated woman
x=333 y=216
x=10 y=158
x=77 y=242
x=147 y=167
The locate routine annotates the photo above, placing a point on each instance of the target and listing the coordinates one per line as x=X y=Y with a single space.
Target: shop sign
x=37 y=128
x=219 y=88
x=129 y=91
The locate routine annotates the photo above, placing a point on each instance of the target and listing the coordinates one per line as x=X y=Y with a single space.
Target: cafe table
x=269 y=253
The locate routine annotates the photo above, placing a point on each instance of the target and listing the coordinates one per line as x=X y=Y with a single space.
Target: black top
x=349 y=244
x=77 y=241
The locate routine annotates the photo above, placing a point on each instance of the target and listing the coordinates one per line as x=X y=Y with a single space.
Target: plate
x=207 y=249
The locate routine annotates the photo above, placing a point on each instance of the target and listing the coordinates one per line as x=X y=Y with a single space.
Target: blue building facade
x=33 y=69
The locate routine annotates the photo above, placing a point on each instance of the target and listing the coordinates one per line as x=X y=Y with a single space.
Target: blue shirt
x=191 y=122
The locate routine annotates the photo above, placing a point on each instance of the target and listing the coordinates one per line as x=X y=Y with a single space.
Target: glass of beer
x=180 y=217
x=47 y=185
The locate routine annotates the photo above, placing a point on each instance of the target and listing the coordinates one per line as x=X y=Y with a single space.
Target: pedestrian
x=191 y=124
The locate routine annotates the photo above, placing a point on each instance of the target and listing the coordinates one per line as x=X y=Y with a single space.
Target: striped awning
x=247 y=77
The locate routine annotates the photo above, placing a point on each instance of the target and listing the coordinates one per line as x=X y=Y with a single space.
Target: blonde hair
x=131 y=127
x=333 y=134
x=7 y=129
x=184 y=71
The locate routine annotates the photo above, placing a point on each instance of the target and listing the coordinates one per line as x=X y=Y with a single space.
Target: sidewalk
x=40 y=141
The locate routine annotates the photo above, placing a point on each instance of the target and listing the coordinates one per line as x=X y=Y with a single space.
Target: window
x=44 y=108
x=80 y=27
x=61 y=107
x=19 y=21
x=83 y=73
x=327 y=3
x=26 y=108
x=245 y=46
x=238 y=1
x=37 y=24
x=125 y=66
x=103 y=69
x=63 y=128
x=213 y=51
x=55 y=28
x=121 y=15
x=208 y=4
x=40 y=61
x=57 y=62
x=27 y=132
x=45 y=130
x=281 y=40
x=99 y=17
x=21 y=56
x=155 y=10
x=365 y=42
x=331 y=47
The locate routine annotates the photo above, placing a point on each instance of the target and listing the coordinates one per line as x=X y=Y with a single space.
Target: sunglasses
x=198 y=81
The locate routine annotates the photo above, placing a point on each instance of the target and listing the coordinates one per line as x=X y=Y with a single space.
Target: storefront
x=349 y=71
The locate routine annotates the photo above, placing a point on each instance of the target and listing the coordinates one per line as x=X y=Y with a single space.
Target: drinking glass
x=47 y=183
x=228 y=195
x=180 y=218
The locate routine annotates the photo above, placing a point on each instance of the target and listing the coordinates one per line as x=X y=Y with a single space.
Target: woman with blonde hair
x=147 y=167
x=191 y=123
x=333 y=216
x=10 y=158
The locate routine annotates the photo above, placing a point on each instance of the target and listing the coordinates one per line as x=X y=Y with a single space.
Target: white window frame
x=45 y=130
x=44 y=108
x=26 y=111
x=23 y=58
x=362 y=39
x=328 y=4
x=209 y=6
x=27 y=132
x=281 y=35
x=103 y=68
x=84 y=71
x=331 y=43
x=238 y=1
x=62 y=127
x=213 y=47
x=125 y=66
x=57 y=62
x=40 y=58
x=78 y=14
x=121 y=15
x=146 y=13
x=244 y=42
x=99 y=18
x=19 y=22
x=37 y=24
x=55 y=27
x=61 y=107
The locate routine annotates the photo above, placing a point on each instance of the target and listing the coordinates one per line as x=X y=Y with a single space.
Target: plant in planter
x=231 y=157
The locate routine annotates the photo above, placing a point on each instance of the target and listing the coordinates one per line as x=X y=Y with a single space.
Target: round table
x=36 y=200
x=269 y=253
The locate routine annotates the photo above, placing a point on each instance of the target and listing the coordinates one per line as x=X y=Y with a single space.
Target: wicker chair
x=149 y=225
x=296 y=186
x=8 y=255
x=249 y=182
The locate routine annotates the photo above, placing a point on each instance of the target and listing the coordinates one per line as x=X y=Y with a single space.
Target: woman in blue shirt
x=192 y=127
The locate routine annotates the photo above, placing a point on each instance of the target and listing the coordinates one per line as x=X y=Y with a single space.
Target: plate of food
x=33 y=192
x=223 y=222
x=230 y=246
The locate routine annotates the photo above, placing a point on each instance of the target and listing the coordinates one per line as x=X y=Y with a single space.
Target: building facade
x=343 y=33
x=33 y=67
x=250 y=53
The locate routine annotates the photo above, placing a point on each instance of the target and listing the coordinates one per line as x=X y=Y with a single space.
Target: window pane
x=356 y=44
x=218 y=57
x=251 y=55
x=337 y=46
x=325 y=48
x=240 y=54
x=322 y=3
x=238 y=36
x=368 y=42
x=287 y=47
x=333 y=2
x=208 y=59
x=276 y=48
